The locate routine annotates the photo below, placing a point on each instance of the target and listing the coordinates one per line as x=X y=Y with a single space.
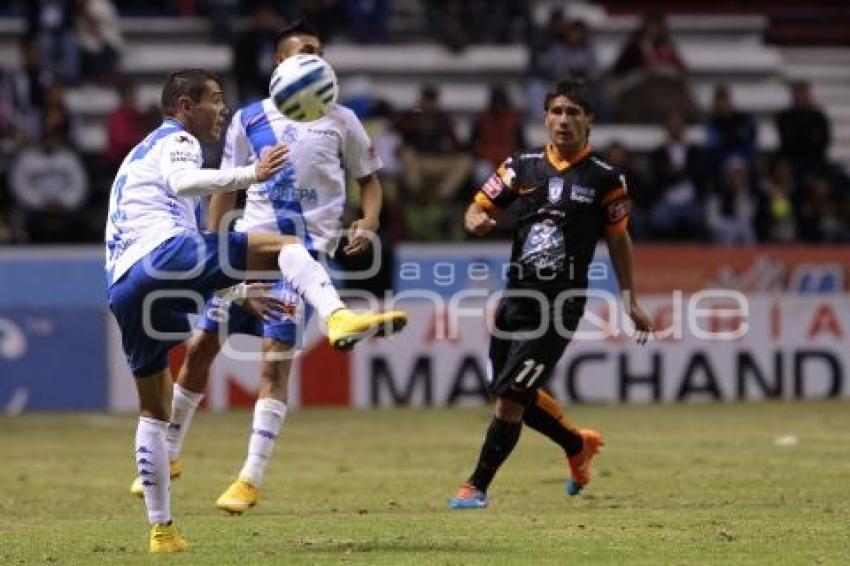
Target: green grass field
x=697 y=484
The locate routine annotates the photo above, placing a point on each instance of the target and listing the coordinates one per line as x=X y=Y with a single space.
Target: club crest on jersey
x=582 y=194
x=556 y=189
x=290 y=134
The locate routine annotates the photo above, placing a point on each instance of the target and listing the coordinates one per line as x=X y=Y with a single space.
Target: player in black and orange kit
x=568 y=199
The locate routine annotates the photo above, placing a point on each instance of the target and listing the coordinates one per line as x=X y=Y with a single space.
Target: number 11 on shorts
x=530 y=371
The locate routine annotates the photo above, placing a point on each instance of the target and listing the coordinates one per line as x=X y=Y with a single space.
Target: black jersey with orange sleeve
x=564 y=208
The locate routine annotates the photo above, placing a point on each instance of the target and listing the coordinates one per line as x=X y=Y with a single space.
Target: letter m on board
x=401 y=391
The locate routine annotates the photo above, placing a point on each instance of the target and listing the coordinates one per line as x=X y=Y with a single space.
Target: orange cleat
x=580 y=463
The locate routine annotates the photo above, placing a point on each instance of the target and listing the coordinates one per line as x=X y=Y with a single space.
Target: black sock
x=551 y=428
x=501 y=438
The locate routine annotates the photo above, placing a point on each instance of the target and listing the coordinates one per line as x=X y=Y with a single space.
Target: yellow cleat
x=238 y=497
x=166 y=538
x=346 y=328
x=175 y=468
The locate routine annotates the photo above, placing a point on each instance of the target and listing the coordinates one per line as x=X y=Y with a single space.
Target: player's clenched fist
x=271 y=161
x=477 y=221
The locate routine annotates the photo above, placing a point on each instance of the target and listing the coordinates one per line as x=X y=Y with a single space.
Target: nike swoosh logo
x=522 y=191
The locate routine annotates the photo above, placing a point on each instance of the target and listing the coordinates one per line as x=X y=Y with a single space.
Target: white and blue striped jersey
x=306 y=198
x=144 y=210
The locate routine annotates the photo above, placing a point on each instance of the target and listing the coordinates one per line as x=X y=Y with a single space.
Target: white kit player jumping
x=160 y=266
x=310 y=191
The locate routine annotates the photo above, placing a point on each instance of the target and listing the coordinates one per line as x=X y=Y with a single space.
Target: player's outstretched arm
x=477 y=220
x=620 y=249
x=192 y=182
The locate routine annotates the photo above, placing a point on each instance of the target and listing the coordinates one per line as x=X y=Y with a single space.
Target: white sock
x=152 y=467
x=183 y=406
x=309 y=279
x=268 y=418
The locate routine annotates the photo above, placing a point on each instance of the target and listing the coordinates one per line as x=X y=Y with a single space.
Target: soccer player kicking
x=567 y=199
x=320 y=153
x=160 y=266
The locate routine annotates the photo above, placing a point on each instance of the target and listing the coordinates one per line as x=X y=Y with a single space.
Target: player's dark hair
x=298 y=27
x=187 y=82
x=576 y=90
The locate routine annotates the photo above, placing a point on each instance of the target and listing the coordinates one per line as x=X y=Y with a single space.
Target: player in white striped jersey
x=159 y=265
x=307 y=196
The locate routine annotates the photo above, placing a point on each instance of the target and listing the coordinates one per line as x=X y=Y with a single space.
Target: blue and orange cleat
x=468 y=497
x=580 y=463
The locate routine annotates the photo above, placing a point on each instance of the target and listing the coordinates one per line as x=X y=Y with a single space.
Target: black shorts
x=521 y=362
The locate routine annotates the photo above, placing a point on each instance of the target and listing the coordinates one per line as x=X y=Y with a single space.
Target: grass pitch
x=696 y=484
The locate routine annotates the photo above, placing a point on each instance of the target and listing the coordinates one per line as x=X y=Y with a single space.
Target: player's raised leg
x=580 y=445
x=307 y=276
x=151 y=454
x=269 y=414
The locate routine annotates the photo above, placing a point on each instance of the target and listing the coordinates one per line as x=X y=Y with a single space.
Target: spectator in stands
x=565 y=51
x=367 y=20
x=729 y=131
x=539 y=75
x=731 y=210
x=380 y=125
x=820 y=218
x=253 y=53
x=22 y=93
x=324 y=15
x=125 y=127
x=778 y=222
x=49 y=187
x=804 y=132
x=640 y=191
x=51 y=24
x=650 y=77
x=498 y=21
x=100 y=39
x=431 y=152
x=435 y=166
x=220 y=14
x=677 y=175
x=496 y=133
x=56 y=118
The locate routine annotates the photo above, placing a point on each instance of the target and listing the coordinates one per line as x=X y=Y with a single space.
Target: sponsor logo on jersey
x=290 y=194
x=556 y=189
x=179 y=156
x=328 y=133
x=582 y=194
x=531 y=155
x=184 y=139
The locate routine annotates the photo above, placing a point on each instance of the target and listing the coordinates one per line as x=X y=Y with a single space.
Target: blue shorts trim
x=152 y=299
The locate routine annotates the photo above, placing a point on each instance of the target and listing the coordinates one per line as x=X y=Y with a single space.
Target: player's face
x=567 y=122
x=208 y=113
x=298 y=44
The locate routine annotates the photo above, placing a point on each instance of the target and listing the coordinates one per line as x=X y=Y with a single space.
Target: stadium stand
x=715 y=48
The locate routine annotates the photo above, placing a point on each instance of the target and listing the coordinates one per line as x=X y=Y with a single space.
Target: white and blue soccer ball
x=304 y=87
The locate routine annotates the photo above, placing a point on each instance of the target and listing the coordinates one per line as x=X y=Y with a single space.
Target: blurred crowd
x=722 y=189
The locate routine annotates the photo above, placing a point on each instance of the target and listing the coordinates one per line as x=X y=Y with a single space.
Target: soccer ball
x=304 y=87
